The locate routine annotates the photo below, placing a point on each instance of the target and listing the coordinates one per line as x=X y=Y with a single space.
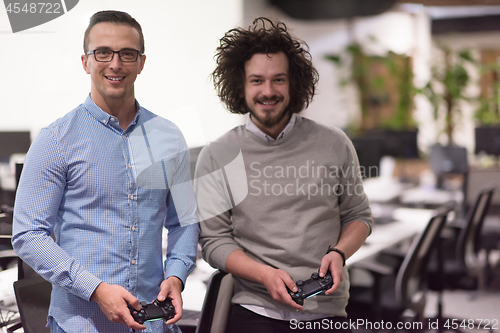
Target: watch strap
x=334 y=249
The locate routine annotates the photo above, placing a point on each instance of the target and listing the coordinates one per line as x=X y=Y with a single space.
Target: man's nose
x=268 y=89
x=115 y=63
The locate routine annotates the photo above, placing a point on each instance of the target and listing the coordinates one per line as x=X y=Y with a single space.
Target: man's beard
x=269 y=122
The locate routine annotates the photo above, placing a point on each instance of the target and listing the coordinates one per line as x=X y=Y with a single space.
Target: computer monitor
x=488 y=140
x=448 y=160
x=193 y=157
x=369 y=153
x=401 y=144
x=13 y=143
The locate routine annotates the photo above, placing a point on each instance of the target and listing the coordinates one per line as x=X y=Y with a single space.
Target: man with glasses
x=105 y=179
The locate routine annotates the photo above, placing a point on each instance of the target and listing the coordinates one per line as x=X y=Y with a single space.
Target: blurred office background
x=409 y=81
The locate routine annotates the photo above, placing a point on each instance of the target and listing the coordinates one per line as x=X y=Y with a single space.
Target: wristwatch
x=334 y=249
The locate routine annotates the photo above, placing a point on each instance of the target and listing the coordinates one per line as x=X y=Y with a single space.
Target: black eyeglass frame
x=139 y=53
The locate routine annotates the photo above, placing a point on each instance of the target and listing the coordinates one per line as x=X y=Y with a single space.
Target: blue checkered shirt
x=106 y=194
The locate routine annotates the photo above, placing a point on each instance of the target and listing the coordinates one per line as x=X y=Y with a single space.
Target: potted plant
x=386 y=91
x=487 y=115
x=447 y=89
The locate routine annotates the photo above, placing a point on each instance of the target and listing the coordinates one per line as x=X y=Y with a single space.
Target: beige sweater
x=283 y=203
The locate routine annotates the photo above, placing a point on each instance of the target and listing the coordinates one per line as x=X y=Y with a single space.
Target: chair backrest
x=33 y=300
x=193 y=158
x=411 y=275
x=217 y=304
x=450 y=160
x=7 y=254
x=467 y=247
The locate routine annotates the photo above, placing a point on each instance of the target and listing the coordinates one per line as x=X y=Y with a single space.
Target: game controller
x=153 y=311
x=314 y=286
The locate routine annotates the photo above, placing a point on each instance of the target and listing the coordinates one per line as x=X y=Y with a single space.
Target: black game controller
x=153 y=311
x=314 y=286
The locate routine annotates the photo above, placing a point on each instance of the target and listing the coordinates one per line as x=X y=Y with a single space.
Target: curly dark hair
x=263 y=37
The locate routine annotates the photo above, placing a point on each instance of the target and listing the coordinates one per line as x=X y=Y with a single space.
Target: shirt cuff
x=178 y=269
x=85 y=285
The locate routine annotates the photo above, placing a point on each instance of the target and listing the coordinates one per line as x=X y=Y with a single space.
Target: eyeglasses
x=106 y=55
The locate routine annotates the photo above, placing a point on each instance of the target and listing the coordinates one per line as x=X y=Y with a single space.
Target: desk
x=429 y=196
x=382 y=189
x=8 y=307
x=408 y=223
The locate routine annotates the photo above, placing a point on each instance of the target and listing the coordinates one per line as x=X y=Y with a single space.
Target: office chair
x=193 y=158
x=450 y=160
x=467 y=268
x=7 y=254
x=469 y=239
x=392 y=295
x=214 y=314
x=33 y=300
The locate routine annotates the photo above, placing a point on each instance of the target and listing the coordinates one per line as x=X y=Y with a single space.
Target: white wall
x=41 y=76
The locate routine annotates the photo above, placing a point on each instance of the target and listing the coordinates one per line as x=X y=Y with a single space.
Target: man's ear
x=142 y=59
x=84 y=63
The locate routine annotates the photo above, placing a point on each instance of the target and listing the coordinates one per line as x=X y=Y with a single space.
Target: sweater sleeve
x=354 y=204
x=215 y=201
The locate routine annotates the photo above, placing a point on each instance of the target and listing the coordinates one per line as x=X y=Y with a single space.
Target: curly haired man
x=302 y=194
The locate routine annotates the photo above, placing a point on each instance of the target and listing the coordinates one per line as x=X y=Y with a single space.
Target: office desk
x=383 y=189
x=8 y=307
x=429 y=196
x=408 y=223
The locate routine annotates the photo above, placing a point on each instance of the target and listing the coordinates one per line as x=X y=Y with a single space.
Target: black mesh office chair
x=393 y=294
x=469 y=239
x=467 y=267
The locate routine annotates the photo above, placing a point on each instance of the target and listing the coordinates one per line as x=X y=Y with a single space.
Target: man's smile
x=268 y=102
x=115 y=78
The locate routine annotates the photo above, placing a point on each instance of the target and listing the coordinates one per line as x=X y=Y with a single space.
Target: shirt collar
x=103 y=116
x=250 y=125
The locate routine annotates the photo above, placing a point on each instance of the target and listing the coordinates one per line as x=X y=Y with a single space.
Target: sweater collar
x=250 y=126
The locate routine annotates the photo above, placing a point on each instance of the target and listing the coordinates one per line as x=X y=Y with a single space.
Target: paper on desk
x=7 y=279
x=412 y=214
x=382 y=189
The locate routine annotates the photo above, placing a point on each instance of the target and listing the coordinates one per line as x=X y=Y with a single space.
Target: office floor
x=478 y=305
